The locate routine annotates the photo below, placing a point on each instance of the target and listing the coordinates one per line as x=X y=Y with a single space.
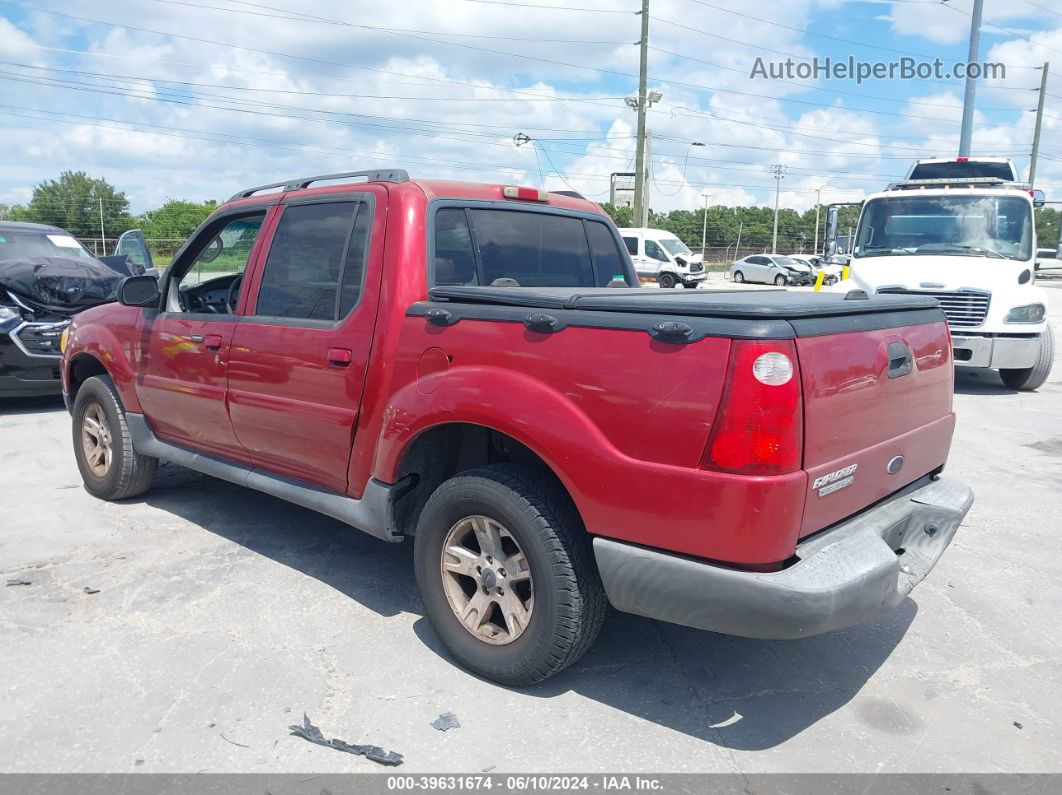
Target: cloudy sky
x=195 y=99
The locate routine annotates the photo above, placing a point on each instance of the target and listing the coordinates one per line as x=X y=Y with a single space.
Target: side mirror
x=139 y=291
x=832 y=215
x=212 y=250
x=1039 y=198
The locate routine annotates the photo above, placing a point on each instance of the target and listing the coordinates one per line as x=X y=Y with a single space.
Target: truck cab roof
x=962 y=168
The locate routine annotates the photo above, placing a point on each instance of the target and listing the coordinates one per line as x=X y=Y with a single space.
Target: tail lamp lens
x=759 y=428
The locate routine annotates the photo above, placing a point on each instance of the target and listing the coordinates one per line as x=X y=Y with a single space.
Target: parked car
x=1047 y=258
x=660 y=256
x=46 y=277
x=832 y=272
x=771 y=269
x=449 y=363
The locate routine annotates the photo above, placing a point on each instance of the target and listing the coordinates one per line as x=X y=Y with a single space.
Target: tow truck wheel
x=666 y=280
x=103 y=445
x=506 y=573
x=1029 y=378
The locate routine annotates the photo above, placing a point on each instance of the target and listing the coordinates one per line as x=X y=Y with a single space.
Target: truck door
x=185 y=346
x=298 y=361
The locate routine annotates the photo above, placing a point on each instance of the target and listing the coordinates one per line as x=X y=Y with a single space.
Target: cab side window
x=632 y=245
x=227 y=252
x=653 y=251
x=309 y=259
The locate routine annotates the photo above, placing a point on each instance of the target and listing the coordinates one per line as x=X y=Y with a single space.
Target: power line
x=495 y=52
x=1009 y=32
x=551 y=8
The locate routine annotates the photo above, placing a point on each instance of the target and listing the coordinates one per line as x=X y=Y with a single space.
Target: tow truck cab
x=970 y=242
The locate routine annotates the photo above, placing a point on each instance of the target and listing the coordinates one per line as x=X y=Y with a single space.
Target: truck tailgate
x=877 y=415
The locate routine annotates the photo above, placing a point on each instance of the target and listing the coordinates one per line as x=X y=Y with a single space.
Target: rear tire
x=739 y=277
x=103 y=445
x=534 y=529
x=1029 y=378
x=666 y=280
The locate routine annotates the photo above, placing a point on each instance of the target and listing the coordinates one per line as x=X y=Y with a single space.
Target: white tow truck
x=969 y=241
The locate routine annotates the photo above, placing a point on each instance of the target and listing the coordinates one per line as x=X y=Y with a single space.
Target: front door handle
x=339 y=357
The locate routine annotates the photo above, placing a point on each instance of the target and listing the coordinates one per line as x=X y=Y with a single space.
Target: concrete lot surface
x=222 y=615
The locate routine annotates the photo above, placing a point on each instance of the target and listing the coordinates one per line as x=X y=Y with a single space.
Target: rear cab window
x=479 y=245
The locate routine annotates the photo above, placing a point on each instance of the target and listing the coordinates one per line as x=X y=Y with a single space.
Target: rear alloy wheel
x=506 y=574
x=666 y=280
x=103 y=445
x=487 y=580
x=739 y=277
x=780 y=281
x=1029 y=378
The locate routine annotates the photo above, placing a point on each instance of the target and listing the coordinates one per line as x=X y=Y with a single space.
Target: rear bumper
x=845 y=575
x=1016 y=352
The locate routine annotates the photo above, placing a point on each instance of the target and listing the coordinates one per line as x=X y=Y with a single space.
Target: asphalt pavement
x=185 y=631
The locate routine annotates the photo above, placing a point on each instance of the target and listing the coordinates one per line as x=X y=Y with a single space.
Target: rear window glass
x=969 y=170
x=608 y=264
x=532 y=249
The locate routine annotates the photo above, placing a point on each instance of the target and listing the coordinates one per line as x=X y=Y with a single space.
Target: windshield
x=986 y=226
x=24 y=245
x=674 y=246
x=789 y=262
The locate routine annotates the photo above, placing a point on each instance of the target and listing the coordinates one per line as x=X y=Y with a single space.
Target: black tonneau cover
x=749 y=304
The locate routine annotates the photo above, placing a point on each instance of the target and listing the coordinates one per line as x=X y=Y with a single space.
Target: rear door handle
x=212 y=342
x=339 y=357
x=900 y=359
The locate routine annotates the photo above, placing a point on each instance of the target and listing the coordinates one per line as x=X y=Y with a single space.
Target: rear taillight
x=759 y=428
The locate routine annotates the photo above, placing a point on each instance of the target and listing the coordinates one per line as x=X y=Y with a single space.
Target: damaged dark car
x=47 y=277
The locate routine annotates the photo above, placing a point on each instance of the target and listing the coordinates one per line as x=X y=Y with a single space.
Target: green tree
x=74 y=203
x=623 y=217
x=1047 y=227
x=175 y=220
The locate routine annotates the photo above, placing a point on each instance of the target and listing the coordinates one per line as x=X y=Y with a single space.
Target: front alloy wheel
x=487 y=580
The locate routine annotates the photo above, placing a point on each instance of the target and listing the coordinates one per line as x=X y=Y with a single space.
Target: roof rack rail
x=959 y=182
x=376 y=175
x=570 y=193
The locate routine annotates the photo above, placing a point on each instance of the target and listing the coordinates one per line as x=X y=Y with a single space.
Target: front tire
x=739 y=277
x=666 y=280
x=779 y=281
x=103 y=445
x=1029 y=378
x=506 y=574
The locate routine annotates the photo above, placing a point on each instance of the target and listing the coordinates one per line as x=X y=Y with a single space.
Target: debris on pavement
x=90 y=591
x=18 y=582
x=489 y=768
x=1018 y=725
x=308 y=731
x=445 y=722
x=226 y=739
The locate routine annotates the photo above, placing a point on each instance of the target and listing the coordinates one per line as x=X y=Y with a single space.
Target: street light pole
x=639 y=157
x=818 y=204
x=778 y=172
x=969 y=100
x=1039 y=121
x=704 y=225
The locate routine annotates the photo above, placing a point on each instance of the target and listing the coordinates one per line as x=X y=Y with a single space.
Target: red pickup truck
x=474 y=367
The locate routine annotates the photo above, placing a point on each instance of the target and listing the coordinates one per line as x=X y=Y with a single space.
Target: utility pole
x=968 y=102
x=737 y=248
x=818 y=204
x=642 y=100
x=1039 y=119
x=103 y=236
x=778 y=172
x=704 y=225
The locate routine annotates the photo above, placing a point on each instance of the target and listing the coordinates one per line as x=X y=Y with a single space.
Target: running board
x=372 y=514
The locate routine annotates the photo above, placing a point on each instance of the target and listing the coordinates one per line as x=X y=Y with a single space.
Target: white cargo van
x=661 y=257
